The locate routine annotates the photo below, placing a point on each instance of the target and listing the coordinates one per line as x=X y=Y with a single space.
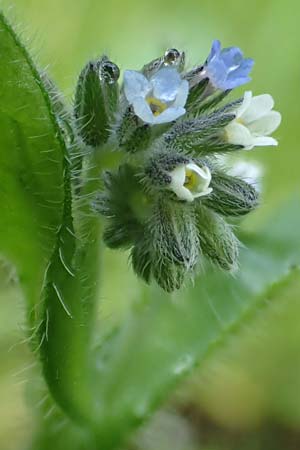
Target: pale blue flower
x=160 y=99
x=227 y=68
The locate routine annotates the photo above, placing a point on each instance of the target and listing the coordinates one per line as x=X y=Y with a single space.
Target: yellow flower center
x=190 y=179
x=157 y=107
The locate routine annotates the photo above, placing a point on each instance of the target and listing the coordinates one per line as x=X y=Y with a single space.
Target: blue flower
x=158 y=100
x=227 y=69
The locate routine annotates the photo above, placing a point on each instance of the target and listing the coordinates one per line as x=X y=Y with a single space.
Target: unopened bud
x=96 y=100
x=217 y=241
x=231 y=196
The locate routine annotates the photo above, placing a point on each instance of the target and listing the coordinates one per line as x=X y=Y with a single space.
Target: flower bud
x=231 y=196
x=204 y=135
x=169 y=276
x=96 y=100
x=217 y=241
x=173 y=242
x=138 y=140
x=141 y=260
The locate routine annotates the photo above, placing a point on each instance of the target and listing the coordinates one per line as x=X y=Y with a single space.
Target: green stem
x=71 y=294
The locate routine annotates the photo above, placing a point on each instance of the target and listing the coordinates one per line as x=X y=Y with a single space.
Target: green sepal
x=141 y=260
x=138 y=140
x=96 y=101
x=173 y=233
x=195 y=94
x=173 y=242
x=126 y=126
x=209 y=102
x=169 y=276
x=217 y=240
x=133 y=135
x=231 y=196
x=158 y=167
x=203 y=136
x=118 y=204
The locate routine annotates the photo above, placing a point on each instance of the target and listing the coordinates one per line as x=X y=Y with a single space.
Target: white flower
x=158 y=100
x=255 y=121
x=190 y=181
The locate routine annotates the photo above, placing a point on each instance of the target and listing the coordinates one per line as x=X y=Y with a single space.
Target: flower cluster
x=169 y=195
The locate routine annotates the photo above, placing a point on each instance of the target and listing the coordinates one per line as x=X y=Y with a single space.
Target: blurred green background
x=249 y=396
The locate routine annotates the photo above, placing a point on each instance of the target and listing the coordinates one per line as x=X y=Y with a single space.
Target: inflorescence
x=169 y=196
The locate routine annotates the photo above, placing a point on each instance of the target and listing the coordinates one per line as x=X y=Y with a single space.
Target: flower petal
x=216 y=72
x=182 y=94
x=235 y=82
x=266 y=124
x=203 y=193
x=260 y=106
x=135 y=85
x=245 y=105
x=264 y=141
x=165 y=84
x=238 y=134
x=242 y=70
x=184 y=194
x=143 y=110
x=170 y=114
x=178 y=176
x=232 y=57
x=204 y=176
x=215 y=50
x=177 y=184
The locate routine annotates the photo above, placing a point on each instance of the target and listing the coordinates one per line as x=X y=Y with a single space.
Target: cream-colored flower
x=190 y=181
x=254 y=122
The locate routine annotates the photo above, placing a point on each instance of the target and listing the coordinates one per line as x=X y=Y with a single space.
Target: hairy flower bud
x=217 y=241
x=203 y=136
x=231 y=196
x=96 y=100
x=173 y=243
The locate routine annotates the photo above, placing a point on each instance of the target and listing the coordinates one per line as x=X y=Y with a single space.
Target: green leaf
x=31 y=166
x=262 y=361
x=163 y=339
x=36 y=230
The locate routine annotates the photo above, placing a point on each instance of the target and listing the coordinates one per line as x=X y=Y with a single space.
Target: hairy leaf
x=31 y=165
